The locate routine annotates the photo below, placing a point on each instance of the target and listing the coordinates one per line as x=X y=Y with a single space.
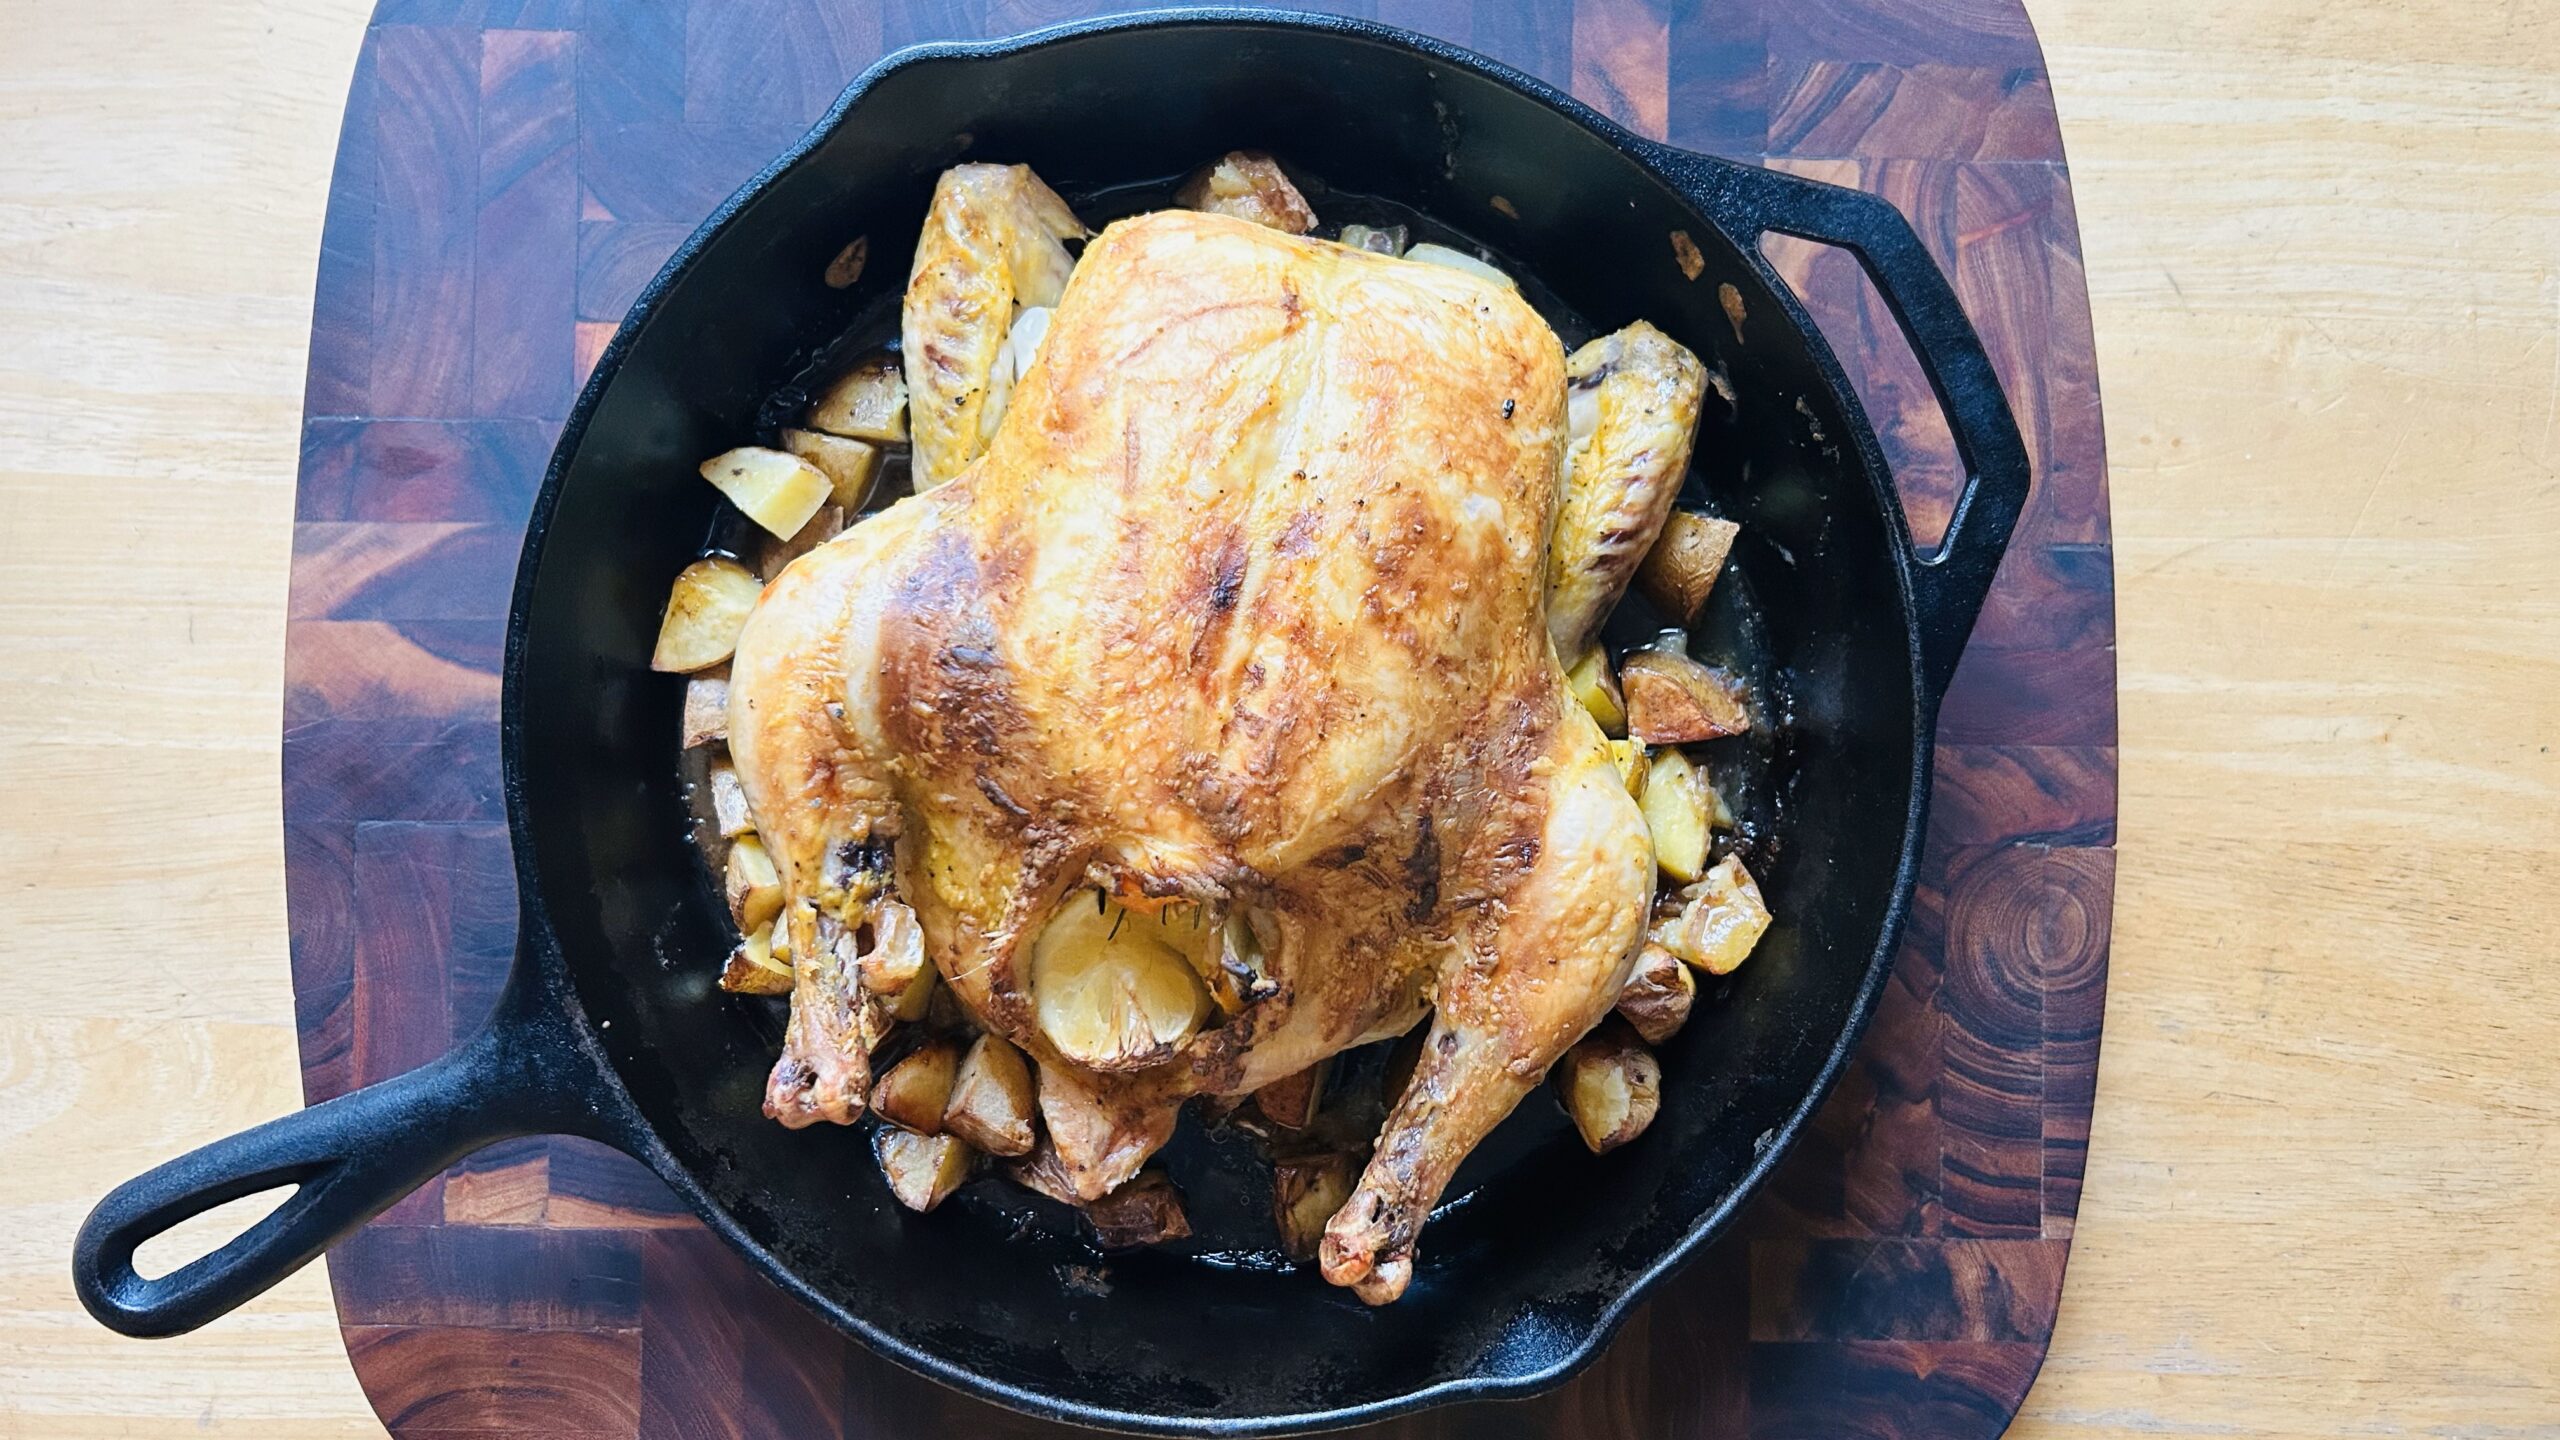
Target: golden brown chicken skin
x=1237 y=626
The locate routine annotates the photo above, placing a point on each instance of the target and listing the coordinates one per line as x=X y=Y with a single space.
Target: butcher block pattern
x=513 y=171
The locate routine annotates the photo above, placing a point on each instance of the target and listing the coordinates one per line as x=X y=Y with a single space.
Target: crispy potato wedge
x=1631 y=410
x=1672 y=699
x=992 y=1100
x=868 y=402
x=1291 y=1104
x=1611 y=1086
x=1041 y=1172
x=1629 y=757
x=1677 y=811
x=922 y=1170
x=1111 y=989
x=1145 y=1211
x=1658 y=995
x=706 y=707
x=753 y=886
x=1679 y=572
x=1427 y=253
x=775 y=556
x=752 y=970
x=706 y=608
x=916 y=1090
x=729 y=801
x=1306 y=1190
x=851 y=466
x=1721 y=918
x=774 y=488
x=1593 y=684
x=1249 y=185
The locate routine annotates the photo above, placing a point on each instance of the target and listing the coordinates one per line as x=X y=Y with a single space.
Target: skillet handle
x=1948 y=583
x=349 y=1160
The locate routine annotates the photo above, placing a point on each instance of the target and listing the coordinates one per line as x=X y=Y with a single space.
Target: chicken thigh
x=1208 y=722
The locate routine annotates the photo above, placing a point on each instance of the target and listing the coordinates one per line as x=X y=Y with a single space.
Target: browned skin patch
x=1243 y=607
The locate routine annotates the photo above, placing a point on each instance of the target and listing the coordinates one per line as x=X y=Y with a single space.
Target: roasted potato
x=1250 y=186
x=1441 y=255
x=868 y=402
x=1042 y=1173
x=1672 y=699
x=705 y=611
x=1593 y=684
x=1305 y=1192
x=775 y=556
x=1111 y=989
x=916 y=1090
x=774 y=488
x=851 y=466
x=1631 y=408
x=729 y=801
x=1629 y=757
x=1679 y=572
x=1678 y=810
x=754 y=888
x=1720 y=919
x=1386 y=240
x=1291 y=1104
x=752 y=970
x=922 y=1170
x=1658 y=995
x=1611 y=1086
x=706 y=707
x=992 y=1100
x=1145 y=1211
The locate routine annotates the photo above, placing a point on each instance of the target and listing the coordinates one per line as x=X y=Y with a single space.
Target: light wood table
x=2324 y=251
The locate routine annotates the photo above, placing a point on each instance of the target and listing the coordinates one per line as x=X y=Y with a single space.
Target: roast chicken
x=1208 y=718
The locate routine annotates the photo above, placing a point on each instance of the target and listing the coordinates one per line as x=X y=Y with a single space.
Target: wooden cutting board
x=512 y=171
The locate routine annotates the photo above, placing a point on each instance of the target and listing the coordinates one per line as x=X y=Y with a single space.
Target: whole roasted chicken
x=1211 y=717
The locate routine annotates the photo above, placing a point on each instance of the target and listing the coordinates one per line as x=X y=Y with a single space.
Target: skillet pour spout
x=610 y=1028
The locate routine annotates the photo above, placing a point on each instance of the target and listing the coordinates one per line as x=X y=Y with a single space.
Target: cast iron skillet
x=609 y=1027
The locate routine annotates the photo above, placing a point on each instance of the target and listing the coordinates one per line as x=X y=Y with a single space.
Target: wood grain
x=2321 y=243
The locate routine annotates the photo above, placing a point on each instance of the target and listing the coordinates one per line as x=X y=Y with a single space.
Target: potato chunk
x=705 y=611
x=729 y=801
x=922 y=1170
x=1672 y=699
x=754 y=888
x=775 y=556
x=1291 y=1104
x=852 y=467
x=1597 y=689
x=774 y=488
x=869 y=402
x=1679 y=572
x=1305 y=1192
x=1111 y=990
x=706 y=707
x=1629 y=757
x=1719 y=921
x=991 y=1099
x=917 y=1089
x=1612 y=1086
x=751 y=968
x=1145 y=1211
x=1678 y=810
x=1658 y=995
x=1249 y=185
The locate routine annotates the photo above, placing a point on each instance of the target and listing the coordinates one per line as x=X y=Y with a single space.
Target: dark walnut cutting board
x=512 y=171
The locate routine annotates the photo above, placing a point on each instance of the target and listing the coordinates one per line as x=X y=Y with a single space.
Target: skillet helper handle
x=1950 y=582
x=349 y=1159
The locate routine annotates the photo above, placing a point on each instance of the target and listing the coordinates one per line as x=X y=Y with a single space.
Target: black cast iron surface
x=610 y=1027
